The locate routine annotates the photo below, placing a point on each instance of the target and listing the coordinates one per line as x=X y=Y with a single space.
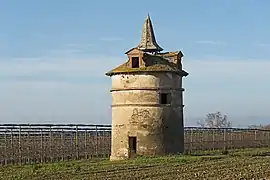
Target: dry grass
x=248 y=164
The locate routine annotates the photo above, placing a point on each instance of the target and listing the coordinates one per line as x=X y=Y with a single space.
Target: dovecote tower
x=147 y=100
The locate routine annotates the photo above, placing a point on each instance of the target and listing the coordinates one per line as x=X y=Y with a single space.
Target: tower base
x=117 y=158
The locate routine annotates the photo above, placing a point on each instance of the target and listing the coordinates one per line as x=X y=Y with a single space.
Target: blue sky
x=53 y=56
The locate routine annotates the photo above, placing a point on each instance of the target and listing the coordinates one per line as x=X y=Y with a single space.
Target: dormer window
x=135 y=62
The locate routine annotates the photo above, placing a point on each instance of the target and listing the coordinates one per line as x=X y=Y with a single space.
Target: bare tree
x=215 y=120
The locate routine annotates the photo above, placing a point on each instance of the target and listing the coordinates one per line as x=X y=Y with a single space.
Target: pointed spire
x=148 y=41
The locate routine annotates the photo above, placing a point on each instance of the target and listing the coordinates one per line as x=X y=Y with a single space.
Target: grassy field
x=241 y=164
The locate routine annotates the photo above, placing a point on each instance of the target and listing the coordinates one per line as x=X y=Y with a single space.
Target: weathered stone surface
x=147 y=80
x=158 y=128
x=147 y=102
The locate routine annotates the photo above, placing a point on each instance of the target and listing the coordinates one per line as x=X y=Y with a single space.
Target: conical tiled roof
x=148 y=41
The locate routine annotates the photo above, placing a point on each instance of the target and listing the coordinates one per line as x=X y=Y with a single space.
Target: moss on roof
x=153 y=63
x=170 y=53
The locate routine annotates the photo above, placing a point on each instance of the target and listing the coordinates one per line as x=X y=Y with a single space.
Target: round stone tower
x=147 y=101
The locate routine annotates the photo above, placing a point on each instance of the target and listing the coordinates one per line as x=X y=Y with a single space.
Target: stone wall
x=136 y=111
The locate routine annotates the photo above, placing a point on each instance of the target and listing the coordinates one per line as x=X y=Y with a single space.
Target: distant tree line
x=260 y=126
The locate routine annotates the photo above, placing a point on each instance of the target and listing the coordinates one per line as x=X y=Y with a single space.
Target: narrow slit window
x=135 y=62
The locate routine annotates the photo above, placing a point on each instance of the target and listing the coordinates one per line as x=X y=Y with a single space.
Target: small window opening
x=132 y=141
x=164 y=98
x=135 y=62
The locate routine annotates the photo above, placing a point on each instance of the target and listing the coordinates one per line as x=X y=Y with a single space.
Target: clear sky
x=54 y=53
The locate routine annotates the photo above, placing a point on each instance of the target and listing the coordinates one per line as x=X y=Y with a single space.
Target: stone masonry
x=147 y=101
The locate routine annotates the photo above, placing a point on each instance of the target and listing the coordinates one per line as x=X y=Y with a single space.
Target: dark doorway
x=135 y=62
x=132 y=143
